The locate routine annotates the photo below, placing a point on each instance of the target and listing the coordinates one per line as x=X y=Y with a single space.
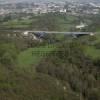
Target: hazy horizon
x=14 y=1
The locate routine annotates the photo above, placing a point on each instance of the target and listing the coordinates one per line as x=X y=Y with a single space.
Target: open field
x=91 y=50
x=64 y=23
x=32 y=56
x=17 y=23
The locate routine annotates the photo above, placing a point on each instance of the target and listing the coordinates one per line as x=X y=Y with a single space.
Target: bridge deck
x=49 y=32
x=56 y=32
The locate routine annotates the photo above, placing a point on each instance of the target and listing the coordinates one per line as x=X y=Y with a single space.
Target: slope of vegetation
x=74 y=70
x=67 y=72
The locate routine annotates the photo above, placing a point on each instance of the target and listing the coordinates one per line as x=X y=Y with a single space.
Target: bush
x=8 y=54
x=94 y=94
x=97 y=45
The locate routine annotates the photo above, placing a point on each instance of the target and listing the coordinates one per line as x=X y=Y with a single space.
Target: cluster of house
x=61 y=7
x=31 y=36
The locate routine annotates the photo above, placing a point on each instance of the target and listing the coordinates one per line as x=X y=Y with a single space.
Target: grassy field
x=92 y=51
x=32 y=56
x=66 y=23
x=17 y=23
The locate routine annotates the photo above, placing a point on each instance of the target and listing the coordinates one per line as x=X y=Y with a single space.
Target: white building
x=63 y=10
x=31 y=36
x=82 y=25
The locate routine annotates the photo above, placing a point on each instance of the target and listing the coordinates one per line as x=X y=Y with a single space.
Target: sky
x=12 y=1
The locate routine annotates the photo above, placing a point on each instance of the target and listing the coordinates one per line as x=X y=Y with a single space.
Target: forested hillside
x=65 y=71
